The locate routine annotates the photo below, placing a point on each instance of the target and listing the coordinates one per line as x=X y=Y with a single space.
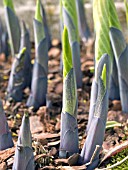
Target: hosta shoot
x=102 y=45
x=38 y=93
x=69 y=129
x=24 y=158
x=95 y=136
x=71 y=22
x=100 y=87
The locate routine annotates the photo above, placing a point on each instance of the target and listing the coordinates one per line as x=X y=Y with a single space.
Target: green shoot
x=113 y=17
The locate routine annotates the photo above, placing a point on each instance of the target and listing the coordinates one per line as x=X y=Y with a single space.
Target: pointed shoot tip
x=38 y=15
x=103 y=76
x=21 y=53
x=23 y=50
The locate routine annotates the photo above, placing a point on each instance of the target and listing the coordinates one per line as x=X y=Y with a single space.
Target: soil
x=45 y=123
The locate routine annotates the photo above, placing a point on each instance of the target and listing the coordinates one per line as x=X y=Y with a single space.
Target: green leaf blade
x=113 y=17
x=101 y=24
x=112 y=124
x=67 y=54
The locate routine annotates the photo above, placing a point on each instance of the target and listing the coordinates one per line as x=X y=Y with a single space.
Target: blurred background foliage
x=25 y=11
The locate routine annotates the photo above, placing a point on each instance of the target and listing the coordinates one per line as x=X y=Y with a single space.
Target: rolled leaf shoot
x=38 y=93
x=24 y=158
x=102 y=46
x=69 y=95
x=71 y=22
x=69 y=129
x=96 y=130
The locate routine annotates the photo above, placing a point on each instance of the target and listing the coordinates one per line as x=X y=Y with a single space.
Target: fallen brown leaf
x=6 y=154
x=113 y=151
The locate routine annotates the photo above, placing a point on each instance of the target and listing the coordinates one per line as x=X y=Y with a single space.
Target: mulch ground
x=45 y=123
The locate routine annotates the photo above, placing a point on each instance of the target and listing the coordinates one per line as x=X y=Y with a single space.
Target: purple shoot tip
x=24 y=158
x=97 y=115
